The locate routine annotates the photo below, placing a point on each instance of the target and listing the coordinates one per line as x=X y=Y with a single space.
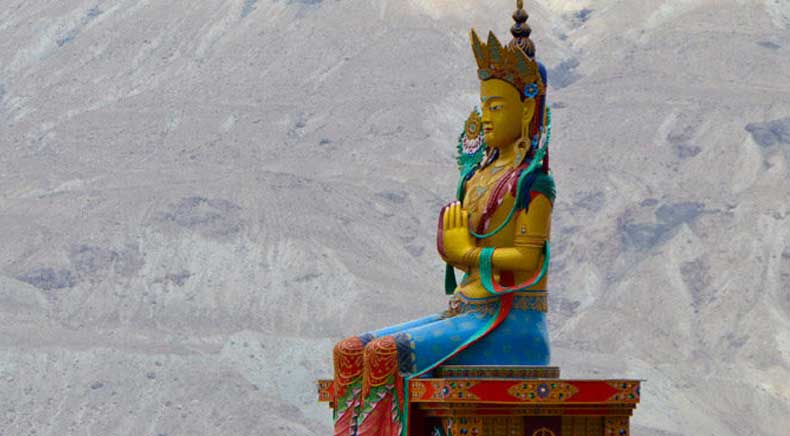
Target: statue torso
x=478 y=193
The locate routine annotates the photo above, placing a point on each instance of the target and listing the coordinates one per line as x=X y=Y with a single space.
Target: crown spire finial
x=521 y=30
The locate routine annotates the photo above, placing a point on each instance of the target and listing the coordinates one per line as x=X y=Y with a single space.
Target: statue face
x=503 y=112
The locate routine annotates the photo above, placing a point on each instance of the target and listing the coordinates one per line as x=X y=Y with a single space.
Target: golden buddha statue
x=496 y=231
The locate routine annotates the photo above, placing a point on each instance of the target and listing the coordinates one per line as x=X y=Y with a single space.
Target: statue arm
x=531 y=233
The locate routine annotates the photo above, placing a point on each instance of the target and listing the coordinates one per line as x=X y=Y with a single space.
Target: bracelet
x=472 y=257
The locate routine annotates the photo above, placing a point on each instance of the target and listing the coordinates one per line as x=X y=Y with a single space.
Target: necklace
x=480 y=188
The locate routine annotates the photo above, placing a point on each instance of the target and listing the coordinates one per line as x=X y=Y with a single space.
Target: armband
x=527 y=240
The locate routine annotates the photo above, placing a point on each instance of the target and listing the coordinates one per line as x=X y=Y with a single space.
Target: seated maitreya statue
x=497 y=232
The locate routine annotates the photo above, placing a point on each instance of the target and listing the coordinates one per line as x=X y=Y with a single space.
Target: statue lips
x=488 y=131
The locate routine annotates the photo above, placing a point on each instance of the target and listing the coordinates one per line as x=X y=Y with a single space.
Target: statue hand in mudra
x=456 y=241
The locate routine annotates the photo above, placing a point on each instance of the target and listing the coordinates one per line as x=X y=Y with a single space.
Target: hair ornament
x=531 y=91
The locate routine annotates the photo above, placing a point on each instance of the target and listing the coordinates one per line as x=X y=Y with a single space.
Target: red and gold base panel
x=512 y=391
x=527 y=391
x=493 y=401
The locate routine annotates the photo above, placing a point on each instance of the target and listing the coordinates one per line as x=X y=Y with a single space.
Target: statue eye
x=496 y=107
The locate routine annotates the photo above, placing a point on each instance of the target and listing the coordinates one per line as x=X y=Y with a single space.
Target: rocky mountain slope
x=199 y=198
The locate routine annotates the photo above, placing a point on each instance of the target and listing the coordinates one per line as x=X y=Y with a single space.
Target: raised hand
x=455 y=240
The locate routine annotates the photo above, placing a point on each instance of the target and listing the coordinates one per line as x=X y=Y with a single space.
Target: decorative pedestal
x=515 y=401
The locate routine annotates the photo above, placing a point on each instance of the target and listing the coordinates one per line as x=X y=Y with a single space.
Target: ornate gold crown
x=514 y=63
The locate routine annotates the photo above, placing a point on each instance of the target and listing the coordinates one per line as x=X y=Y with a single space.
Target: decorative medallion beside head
x=471 y=144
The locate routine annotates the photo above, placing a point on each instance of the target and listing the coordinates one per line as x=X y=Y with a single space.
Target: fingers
x=453 y=215
x=458 y=214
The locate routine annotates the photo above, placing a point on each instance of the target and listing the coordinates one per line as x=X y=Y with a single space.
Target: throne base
x=515 y=401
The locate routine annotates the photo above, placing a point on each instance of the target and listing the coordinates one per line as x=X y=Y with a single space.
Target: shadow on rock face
x=769 y=44
x=644 y=236
x=770 y=133
x=696 y=275
x=682 y=141
x=581 y=16
x=685 y=151
x=72 y=34
x=49 y=278
x=592 y=201
x=394 y=197
x=90 y=259
x=215 y=218
x=179 y=278
x=678 y=213
x=564 y=74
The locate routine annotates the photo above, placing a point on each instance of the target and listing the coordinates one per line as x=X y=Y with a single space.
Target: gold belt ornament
x=537 y=301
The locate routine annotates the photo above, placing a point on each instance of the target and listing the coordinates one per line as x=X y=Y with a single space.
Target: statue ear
x=529 y=109
x=526 y=117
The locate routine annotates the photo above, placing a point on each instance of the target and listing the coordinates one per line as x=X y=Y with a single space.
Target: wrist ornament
x=472 y=257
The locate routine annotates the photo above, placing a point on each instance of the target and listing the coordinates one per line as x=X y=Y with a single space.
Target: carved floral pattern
x=542 y=391
x=628 y=391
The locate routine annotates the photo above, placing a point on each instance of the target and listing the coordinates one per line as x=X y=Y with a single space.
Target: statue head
x=512 y=86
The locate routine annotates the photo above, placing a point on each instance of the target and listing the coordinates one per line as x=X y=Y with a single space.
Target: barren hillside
x=199 y=197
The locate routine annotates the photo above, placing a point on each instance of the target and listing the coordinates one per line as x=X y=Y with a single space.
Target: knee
x=349 y=346
x=380 y=347
x=380 y=361
x=347 y=357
